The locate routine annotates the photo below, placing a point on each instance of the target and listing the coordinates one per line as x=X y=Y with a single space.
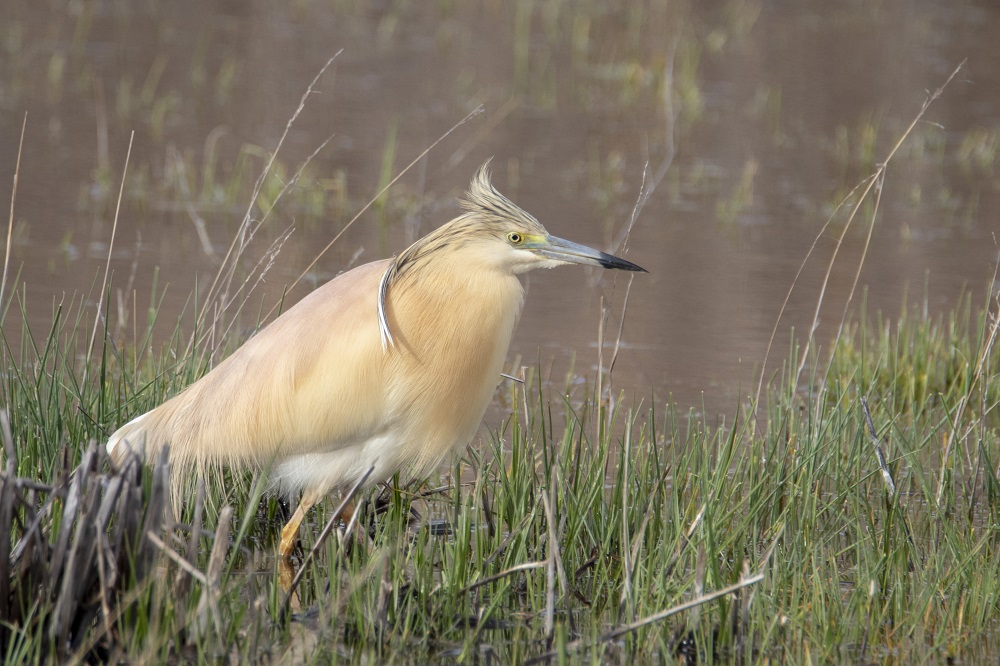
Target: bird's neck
x=443 y=299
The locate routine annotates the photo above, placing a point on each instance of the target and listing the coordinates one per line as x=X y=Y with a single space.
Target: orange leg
x=286 y=570
x=286 y=574
x=348 y=512
x=290 y=532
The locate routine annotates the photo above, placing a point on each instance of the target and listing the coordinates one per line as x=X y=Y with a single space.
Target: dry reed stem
x=323 y=535
x=475 y=112
x=700 y=571
x=879 y=187
x=983 y=406
x=107 y=266
x=237 y=245
x=581 y=644
x=267 y=258
x=877 y=178
x=177 y=558
x=10 y=219
x=8 y=443
x=524 y=566
x=176 y=162
x=601 y=422
x=480 y=135
x=556 y=573
x=550 y=572
x=642 y=198
x=213 y=573
x=79 y=561
x=984 y=354
x=626 y=604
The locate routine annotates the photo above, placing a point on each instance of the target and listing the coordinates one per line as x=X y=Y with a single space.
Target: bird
x=389 y=367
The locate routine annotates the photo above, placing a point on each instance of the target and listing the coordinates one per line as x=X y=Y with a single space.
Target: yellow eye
x=515 y=238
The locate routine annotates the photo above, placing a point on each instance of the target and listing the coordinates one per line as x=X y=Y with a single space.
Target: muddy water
x=764 y=116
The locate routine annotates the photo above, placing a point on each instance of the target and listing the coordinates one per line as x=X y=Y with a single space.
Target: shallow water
x=767 y=114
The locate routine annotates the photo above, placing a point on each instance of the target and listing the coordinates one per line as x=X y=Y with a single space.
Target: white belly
x=341 y=468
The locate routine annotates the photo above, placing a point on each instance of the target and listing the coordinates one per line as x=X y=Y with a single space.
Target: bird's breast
x=453 y=336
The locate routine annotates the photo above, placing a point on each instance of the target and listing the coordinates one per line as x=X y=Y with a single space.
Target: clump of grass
x=79 y=581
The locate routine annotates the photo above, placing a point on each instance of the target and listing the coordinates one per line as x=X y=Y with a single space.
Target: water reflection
x=775 y=110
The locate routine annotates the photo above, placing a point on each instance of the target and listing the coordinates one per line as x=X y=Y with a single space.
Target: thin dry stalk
x=795 y=280
x=554 y=561
x=621 y=330
x=323 y=535
x=601 y=422
x=879 y=187
x=645 y=192
x=963 y=403
x=875 y=179
x=621 y=245
x=524 y=566
x=487 y=128
x=475 y=112
x=266 y=260
x=107 y=266
x=700 y=571
x=578 y=645
x=10 y=220
x=8 y=443
x=213 y=573
x=177 y=558
x=524 y=406
x=877 y=182
x=223 y=277
x=984 y=401
x=687 y=538
x=626 y=604
x=176 y=162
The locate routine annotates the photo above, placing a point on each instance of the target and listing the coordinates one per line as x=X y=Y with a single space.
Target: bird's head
x=494 y=235
x=512 y=239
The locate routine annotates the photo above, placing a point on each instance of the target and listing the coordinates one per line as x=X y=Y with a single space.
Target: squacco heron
x=390 y=365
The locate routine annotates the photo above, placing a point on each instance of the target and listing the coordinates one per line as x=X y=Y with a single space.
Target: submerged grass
x=544 y=541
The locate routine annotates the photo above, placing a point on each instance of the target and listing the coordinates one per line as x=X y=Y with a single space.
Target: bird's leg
x=290 y=531
x=286 y=574
x=347 y=513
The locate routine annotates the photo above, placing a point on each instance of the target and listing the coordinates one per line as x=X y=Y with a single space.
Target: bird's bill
x=574 y=253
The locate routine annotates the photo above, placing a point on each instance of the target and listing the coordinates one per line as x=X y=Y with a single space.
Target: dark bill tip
x=611 y=261
x=574 y=253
